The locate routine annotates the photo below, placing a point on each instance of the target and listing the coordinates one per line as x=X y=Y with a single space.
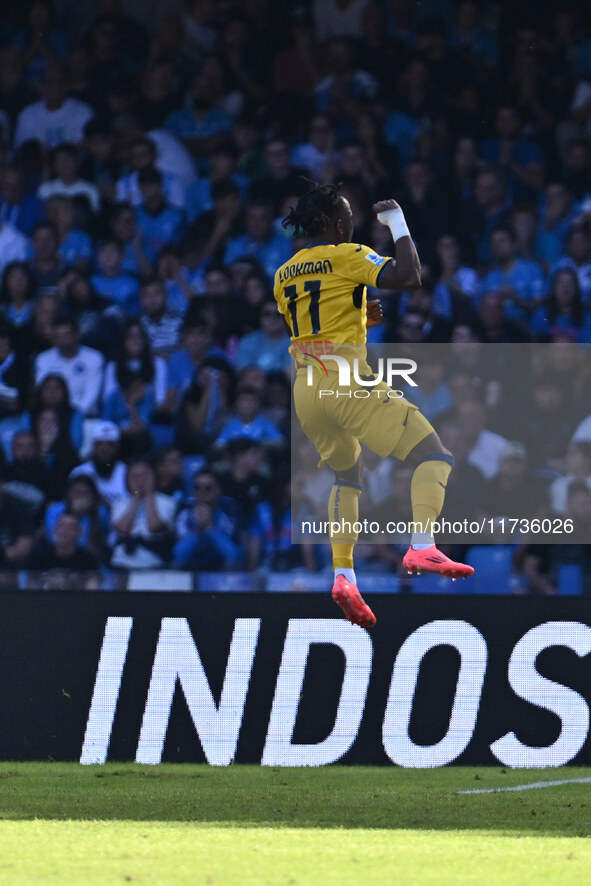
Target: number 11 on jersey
x=313 y=287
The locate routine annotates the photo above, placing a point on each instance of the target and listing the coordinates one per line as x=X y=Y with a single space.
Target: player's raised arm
x=405 y=272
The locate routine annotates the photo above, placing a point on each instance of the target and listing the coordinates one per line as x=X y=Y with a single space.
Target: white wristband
x=394 y=219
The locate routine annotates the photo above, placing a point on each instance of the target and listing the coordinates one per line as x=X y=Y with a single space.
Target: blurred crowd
x=148 y=153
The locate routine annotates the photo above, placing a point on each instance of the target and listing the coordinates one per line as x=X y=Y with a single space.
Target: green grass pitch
x=250 y=826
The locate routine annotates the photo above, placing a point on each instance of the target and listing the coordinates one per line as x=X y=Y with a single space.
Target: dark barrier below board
x=283 y=680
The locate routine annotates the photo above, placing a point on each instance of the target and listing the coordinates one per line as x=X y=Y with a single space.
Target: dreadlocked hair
x=315 y=209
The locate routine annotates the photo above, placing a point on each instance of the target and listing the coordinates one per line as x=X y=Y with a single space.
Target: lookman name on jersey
x=286 y=272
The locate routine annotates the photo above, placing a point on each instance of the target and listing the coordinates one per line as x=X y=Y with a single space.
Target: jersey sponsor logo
x=375 y=259
x=304 y=267
x=315 y=362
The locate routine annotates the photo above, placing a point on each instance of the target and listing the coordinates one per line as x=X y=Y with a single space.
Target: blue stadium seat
x=436 y=584
x=492 y=571
x=570 y=580
x=226 y=581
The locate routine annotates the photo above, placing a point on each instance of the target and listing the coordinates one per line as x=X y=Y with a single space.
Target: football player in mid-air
x=321 y=291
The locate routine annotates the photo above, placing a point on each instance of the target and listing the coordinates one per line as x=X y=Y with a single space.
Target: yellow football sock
x=427 y=492
x=343 y=508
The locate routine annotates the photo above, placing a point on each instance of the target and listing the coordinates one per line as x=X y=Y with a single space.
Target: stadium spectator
x=123 y=227
x=317 y=154
x=20 y=208
x=517 y=156
x=104 y=467
x=346 y=89
x=266 y=347
x=248 y=422
x=577 y=257
x=130 y=406
x=56 y=118
x=143 y=155
x=563 y=309
x=112 y=282
x=53 y=393
x=27 y=475
x=81 y=498
x=75 y=249
x=134 y=356
x=54 y=446
x=557 y=211
x=519 y=281
x=269 y=534
x=205 y=546
x=168 y=466
x=576 y=168
x=478 y=216
x=242 y=476
x=205 y=407
x=37 y=336
x=162 y=327
x=493 y=326
x=46 y=265
x=64 y=550
x=577 y=470
x=143 y=521
x=81 y=367
x=225 y=512
x=201 y=125
x=185 y=364
x=96 y=317
x=259 y=241
x=457 y=284
x=67 y=181
x=177 y=279
x=484 y=448
x=215 y=227
x=514 y=491
x=17 y=528
x=17 y=293
x=281 y=179
x=548 y=422
x=159 y=223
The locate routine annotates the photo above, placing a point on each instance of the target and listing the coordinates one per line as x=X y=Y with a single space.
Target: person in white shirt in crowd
x=67 y=181
x=172 y=157
x=484 y=447
x=143 y=156
x=56 y=118
x=104 y=466
x=81 y=367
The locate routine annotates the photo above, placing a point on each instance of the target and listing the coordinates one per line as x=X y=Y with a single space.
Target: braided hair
x=315 y=210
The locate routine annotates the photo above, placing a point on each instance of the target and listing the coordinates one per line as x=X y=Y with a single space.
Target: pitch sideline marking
x=528 y=787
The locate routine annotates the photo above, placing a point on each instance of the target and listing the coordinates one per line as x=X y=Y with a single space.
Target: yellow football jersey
x=322 y=292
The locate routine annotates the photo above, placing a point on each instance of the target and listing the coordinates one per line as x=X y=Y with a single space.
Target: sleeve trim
x=381 y=271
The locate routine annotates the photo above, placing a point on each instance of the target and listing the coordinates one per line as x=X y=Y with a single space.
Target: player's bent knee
x=445 y=456
x=352 y=476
